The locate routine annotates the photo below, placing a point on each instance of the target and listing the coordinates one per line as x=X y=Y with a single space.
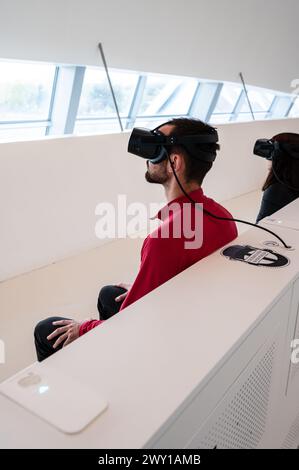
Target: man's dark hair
x=196 y=169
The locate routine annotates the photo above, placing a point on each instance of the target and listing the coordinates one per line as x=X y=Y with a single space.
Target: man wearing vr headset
x=282 y=183
x=179 y=154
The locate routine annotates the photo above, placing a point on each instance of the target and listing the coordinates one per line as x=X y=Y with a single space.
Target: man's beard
x=159 y=178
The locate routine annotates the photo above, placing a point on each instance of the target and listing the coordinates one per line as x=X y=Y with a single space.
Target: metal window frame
x=136 y=101
x=236 y=111
x=292 y=104
x=205 y=100
x=66 y=99
x=54 y=87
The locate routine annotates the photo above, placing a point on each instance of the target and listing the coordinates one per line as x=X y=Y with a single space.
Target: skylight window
x=39 y=99
x=25 y=99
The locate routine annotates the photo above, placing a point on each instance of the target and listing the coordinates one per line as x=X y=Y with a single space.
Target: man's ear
x=177 y=161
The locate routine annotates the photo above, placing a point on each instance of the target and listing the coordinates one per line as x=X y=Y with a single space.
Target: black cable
x=223 y=218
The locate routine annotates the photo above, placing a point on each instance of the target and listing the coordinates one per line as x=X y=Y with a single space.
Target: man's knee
x=110 y=292
x=43 y=346
x=107 y=306
x=41 y=328
x=45 y=327
x=106 y=293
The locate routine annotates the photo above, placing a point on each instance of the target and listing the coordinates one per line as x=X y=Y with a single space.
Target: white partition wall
x=49 y=189
x=246 y=404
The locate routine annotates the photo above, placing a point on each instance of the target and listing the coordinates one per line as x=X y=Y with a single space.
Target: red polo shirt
x=165 y=252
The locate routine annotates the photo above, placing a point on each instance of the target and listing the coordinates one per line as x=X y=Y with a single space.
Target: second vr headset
x=153 y=145
x=271 y=149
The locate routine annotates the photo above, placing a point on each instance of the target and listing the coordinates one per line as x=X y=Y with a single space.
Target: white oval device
x=59 y=399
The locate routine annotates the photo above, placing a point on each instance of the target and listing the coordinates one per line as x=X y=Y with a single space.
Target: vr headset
x=271 y=149
x=152 y=144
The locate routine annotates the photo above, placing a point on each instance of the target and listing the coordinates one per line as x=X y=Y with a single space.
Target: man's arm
x=160 y=261
x=89 y=325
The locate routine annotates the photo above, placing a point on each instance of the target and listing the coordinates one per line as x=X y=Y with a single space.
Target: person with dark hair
x=162 y=257
x=282 y=183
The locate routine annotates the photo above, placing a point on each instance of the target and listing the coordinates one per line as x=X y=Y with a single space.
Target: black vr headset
x=271 y=149
x=152 y=144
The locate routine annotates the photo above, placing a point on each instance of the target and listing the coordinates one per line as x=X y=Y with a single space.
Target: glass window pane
x=165 y=95
x=96 y=126
x=261 y=116
x=228 y=98
x=259 y=100
x=15 y=134
x=219 y=118
x=295 y=109
x=25 y=91
x=282 y=105
x=96 y=99
x=248 y=116
x=243 y=117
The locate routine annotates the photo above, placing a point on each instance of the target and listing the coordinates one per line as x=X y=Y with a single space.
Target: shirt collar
x=163 y=213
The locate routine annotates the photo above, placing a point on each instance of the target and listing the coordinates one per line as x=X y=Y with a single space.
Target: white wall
x=49 y=189
x=213 y=39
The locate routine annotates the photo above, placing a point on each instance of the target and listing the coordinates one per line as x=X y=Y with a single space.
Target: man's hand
x=121 y=297
x=67 y=332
